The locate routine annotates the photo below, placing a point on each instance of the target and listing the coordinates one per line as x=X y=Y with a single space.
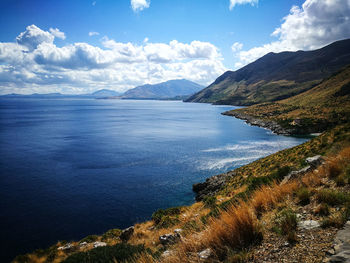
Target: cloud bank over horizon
x=313 y=25
x=34 y=63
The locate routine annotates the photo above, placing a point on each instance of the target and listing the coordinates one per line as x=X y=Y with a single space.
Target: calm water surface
x=70 y=168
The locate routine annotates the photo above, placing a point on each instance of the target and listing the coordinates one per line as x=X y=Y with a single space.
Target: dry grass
x=237 y=228
x=268 y=196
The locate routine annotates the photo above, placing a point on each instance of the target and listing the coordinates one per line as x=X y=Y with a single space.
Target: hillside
x=164 y=90
x=276 y=76
x=315 y=110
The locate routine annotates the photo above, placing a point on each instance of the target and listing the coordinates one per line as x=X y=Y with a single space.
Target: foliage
x=332 y=197
x=285 y=223
x=303 y=195
x=120 y=252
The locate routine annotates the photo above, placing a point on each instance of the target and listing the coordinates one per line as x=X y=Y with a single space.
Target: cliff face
x=276 y=76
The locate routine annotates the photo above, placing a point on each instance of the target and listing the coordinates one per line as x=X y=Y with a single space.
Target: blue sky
x=80 y=46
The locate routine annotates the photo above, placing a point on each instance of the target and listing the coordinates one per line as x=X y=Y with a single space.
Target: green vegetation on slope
x=315 y=110
x=276 y=76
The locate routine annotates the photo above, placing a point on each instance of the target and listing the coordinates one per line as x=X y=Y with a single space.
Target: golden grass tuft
x=268 y=196
x=237 y=228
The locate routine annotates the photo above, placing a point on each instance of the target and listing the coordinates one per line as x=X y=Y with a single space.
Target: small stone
x=205 y=254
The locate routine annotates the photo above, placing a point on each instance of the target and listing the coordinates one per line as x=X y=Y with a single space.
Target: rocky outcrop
x=126 y=234
x=313 y=163
x=341 y=248
x=268 y=124
x=211 y=185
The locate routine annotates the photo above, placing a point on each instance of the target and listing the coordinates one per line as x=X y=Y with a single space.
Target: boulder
x=205 y=254
x=169 y=239
x=126 y=234
x=314 y=161
x=211 y=185
x=99 y=244
x=65 y=247
x=308 y=224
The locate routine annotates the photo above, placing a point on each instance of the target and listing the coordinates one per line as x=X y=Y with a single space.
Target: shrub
x=209 y=201
x=303 y=195
x=332 y=197
x=89 y=239
x=333 y=169
x=111 y=234
x=237 y=228
x=335 y=220
x=120 y=252
x=166 y=217
x=191 y=226
x=340 y=180
x=322 y=210
x=285 y=223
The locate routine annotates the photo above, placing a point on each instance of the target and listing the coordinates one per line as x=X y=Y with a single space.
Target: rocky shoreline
x=271 y=125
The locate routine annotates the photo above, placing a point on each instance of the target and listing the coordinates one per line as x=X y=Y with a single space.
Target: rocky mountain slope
x=324 y=106
x=276 y=76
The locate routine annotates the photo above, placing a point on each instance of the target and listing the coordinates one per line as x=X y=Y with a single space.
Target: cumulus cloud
x=93 y=33
x=139 y=5
x=233 y=3
x=33 y=36
x=57 y=33
x=34 y=63
x=236 y=46
x=313 y=25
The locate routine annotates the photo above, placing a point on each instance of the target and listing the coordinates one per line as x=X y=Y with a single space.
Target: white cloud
x=236 y=46
x=139 y=5
x=313 y=25
x=233 y=3
x=33 y=36
x=145 y=40
x=35 y=64
x=93 y=33
x=57 y=33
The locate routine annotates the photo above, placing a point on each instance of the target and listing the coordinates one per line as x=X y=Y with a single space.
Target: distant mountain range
x=97 y=94
x=170 y=89
x=178 y=89
x=276 y=76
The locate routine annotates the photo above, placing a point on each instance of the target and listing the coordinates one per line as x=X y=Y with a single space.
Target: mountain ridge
x=276 y=76
x=163 y=90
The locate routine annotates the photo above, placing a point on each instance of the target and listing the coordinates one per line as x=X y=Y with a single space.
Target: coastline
x=267 y=124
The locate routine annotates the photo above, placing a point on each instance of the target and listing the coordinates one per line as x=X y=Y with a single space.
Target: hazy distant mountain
x=105 y=93
x=276 y=76
x=97 y=94
x=164 y=90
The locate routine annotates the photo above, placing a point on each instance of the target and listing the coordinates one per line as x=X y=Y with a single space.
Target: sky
x=80 y=46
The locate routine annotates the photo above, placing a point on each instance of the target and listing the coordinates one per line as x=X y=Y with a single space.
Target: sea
x=75 y=167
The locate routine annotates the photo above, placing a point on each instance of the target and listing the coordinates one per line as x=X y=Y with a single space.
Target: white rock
x=65 y=247
x=205 y=254
x=100 y=244
x=308 y=224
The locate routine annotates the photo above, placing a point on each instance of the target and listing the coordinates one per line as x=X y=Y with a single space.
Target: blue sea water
x=74 y=167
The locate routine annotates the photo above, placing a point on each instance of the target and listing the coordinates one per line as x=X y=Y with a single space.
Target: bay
x=74 y=167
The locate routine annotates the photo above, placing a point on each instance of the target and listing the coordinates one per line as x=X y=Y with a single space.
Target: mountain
x=276 y=76
x=105 y=93
x=315 y=110
x=97 y=94
x=164 y=90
